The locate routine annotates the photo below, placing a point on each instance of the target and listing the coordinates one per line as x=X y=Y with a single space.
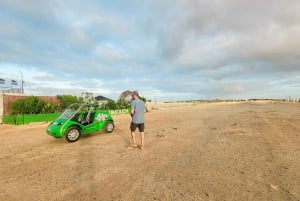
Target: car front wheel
x=109 y=127
x=72 y=134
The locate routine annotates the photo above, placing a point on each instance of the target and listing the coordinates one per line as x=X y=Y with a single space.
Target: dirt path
x=232 y=151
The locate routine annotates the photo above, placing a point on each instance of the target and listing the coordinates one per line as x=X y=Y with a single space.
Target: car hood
x=59 y=121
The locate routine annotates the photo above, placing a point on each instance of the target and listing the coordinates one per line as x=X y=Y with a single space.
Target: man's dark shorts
x=141 y=127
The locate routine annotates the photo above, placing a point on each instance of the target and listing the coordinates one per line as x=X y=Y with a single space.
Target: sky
x=167 y=50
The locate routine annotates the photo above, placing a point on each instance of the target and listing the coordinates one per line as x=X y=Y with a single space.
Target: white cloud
x=204 y=49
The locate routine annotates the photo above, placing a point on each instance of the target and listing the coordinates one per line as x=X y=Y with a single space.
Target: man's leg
x=142 y=139
x=132 y=128
x=141 y=129
x=133 y=138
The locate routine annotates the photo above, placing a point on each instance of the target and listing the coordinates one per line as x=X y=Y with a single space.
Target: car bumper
x=54 y=131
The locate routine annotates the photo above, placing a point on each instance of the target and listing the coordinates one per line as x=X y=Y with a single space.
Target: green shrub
x=30 y=105
x=67 y=100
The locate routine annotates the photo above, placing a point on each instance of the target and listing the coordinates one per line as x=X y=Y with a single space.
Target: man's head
x=135 y=95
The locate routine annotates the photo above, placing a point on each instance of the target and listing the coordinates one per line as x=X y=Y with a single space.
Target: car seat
x=88 y=118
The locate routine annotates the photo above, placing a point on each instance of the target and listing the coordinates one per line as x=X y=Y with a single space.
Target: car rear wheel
x=72 y=134
x=109 y=127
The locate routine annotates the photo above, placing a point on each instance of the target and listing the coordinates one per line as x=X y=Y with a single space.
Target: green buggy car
x=80 y=119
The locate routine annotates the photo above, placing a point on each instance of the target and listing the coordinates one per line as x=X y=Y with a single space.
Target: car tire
x=72 y=134
x=109 y=127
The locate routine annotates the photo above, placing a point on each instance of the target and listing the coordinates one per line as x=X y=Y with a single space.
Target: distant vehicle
x=80 y=119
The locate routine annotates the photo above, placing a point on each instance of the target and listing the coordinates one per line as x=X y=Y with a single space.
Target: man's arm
x=132 y=112
x=132 y=109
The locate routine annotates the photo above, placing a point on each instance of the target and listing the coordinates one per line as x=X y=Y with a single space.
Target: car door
x=90 y=125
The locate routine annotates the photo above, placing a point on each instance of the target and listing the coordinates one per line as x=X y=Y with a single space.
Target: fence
x=30 y=118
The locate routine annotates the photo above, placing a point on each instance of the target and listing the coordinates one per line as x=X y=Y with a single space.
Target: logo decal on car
x=101 y=117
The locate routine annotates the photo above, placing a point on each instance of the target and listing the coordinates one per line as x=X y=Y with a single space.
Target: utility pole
x=22 y=83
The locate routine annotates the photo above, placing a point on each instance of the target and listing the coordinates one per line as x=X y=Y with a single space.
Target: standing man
x=138 y=118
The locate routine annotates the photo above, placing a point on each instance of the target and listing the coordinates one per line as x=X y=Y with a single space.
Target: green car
x=80 y=119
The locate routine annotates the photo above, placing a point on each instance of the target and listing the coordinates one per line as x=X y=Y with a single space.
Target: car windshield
x=75 y=110
x=67 y=114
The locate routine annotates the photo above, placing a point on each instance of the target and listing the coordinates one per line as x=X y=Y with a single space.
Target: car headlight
x=57 y=123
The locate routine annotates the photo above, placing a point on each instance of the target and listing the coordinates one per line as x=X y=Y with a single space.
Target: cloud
x=176 y=49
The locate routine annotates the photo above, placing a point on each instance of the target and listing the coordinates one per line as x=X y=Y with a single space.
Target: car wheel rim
x=110 y=127
x=73 y=134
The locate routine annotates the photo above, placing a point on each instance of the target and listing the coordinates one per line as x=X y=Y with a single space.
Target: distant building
x=10 y=86
x=102 y=99
x=2 y=81
x=87 y=96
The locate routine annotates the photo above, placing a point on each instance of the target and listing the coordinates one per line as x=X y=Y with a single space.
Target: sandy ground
x=217 y=151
